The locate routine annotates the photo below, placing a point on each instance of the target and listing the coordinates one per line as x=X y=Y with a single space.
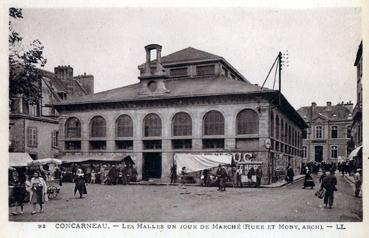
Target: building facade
x=357 y=123
x=189 y=101
x=33 y=128
x=329 y=133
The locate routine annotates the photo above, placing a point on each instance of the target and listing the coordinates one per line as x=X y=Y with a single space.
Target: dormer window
x=205 y=70
x=178 y=72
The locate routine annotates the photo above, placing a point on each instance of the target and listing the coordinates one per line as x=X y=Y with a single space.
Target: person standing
x=329 y=184
x=259 y=175
x=290 y=175
x=308 y=181
x=183 y=177
x=221 y=174
x=93 y=176
x=173 y=174
x=20 y=194
x=239 y=177
x=358 y=182
x=205 y=175
x=38 y=193
x=80 y=183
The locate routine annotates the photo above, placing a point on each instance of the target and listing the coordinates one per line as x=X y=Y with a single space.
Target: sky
x=109 y=43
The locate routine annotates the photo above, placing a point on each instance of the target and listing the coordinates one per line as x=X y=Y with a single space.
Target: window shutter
x=29 y=137
x=36 y=137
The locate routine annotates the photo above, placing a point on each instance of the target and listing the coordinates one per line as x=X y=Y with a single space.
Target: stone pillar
x=138 y=159
x=166 y=163
x=110 y=134
x=196 y=131
x=147 y=64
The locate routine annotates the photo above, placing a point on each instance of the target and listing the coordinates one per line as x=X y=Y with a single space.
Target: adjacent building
x=33 y=128
x=357 y=123
x=329 y=133
x=189 y=102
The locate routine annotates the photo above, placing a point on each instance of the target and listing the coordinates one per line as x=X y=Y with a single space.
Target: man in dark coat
x=259 y=174
x=221 y=175
x=113 y=175
x=80 y=184
x=329 y=184
x=290 y=175
x=173 y=174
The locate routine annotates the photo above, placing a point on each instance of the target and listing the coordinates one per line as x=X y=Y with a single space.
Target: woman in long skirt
x=38 y=192
x=308 y=181
x=80 y=184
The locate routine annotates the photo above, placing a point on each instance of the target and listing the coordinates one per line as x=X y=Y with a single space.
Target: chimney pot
x=313 y=104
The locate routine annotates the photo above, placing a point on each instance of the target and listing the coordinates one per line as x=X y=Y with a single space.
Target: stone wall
x=197 y=112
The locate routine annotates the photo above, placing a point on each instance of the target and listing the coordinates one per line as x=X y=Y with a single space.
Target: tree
x=24 y=76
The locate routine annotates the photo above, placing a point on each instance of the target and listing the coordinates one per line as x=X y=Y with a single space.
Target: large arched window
x=98 y=127
x=152 y=125
x=124 y=126
x=182 y=124
x=213 y=123
x=73 y=128
x=247 y=122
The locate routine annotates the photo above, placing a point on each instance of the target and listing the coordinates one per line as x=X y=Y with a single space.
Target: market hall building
x=189 y=102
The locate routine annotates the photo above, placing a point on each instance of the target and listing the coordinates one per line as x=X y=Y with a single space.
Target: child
x=93 y=176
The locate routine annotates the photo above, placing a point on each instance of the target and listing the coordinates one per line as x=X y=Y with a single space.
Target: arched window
x=124 y=126
x=73 y=128
x=213 y=123
x=152 y=125
x=247 y=122
x=182 y=124
x=98 y=127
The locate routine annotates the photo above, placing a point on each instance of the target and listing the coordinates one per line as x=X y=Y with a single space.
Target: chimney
x=349 y=105
x=64 y=73
x=313 y=104
x=87 y=82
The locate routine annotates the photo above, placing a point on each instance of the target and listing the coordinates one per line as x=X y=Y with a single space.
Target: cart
x=53 y=187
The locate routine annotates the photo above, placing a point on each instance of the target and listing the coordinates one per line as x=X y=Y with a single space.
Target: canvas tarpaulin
x=354 y=153
x=197 y=162
x=19 y=159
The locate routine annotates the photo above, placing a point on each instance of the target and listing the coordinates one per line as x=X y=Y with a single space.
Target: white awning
x=198 y=162
x=354 y=153
x=19 y=159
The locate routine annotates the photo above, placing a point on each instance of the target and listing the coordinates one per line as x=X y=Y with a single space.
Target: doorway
x=318 y=153
x=151 y=165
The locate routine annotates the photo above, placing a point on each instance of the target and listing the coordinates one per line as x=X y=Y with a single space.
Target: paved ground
x=141 y=203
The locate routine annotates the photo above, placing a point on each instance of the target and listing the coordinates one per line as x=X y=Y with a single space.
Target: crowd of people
x=30 y=183
x=219 y=176
x=108 y=174
x=328 y=180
